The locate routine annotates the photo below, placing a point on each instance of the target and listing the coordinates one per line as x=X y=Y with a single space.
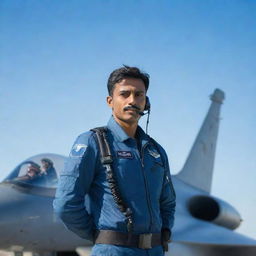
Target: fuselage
x=27 y=221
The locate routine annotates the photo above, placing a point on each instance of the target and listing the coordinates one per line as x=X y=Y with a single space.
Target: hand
x=166 y=238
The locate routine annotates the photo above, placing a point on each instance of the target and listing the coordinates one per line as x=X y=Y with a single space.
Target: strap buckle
x=145 y=241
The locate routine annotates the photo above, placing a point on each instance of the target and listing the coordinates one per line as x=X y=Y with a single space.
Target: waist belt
x=142 y=241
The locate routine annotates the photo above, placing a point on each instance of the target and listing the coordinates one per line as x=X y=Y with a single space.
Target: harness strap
x=105 y=153
x=107 y=161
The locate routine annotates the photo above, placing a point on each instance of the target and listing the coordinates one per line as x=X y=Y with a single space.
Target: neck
x=129 y=128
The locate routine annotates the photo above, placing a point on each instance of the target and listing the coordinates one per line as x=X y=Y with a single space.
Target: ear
x=110 y=101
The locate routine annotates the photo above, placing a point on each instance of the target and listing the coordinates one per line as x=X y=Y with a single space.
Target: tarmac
x=5 y=253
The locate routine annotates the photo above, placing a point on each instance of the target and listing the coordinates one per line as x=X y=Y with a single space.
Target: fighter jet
x=204 y=224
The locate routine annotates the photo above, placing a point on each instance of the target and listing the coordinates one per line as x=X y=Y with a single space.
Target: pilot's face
x=129 y=92
x=31 y=172
x=45 y=165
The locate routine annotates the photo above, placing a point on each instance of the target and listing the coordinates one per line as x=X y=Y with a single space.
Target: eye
x=139 y=94
x=124 y=94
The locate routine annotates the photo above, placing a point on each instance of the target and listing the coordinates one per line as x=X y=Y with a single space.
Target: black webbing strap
x=105 y=153
x=107 y=160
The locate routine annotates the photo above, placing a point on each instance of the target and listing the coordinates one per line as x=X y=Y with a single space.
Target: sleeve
x=168 y=199
x=74 y=183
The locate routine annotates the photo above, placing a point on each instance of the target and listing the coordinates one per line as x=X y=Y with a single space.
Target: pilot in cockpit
x=48 y=170
x=33 y=173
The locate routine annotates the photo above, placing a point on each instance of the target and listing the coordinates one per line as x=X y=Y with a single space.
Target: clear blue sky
x=56 y=57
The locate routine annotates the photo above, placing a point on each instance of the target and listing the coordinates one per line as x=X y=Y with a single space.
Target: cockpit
x=38 y=171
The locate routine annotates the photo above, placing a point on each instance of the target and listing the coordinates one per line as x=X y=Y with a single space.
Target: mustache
x=132 y=107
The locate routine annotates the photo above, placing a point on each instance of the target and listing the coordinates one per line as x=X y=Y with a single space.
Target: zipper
x=146 y=185
x=169 y=183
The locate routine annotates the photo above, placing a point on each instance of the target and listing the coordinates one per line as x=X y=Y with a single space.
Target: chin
x=128 y=119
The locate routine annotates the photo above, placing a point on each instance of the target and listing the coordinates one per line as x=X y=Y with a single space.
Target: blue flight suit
x=144 y=181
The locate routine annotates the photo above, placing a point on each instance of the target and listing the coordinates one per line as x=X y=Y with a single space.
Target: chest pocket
x=155 y=172
x=157 y=163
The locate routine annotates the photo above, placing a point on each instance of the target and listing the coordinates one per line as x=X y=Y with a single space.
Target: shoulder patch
x=78 y=150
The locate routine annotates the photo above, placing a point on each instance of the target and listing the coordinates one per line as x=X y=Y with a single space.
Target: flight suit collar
x=117 y=130
x=122 y=136
x=142 y=136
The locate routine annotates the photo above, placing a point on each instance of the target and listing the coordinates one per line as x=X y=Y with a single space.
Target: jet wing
x=191 y=230
x=202 y=238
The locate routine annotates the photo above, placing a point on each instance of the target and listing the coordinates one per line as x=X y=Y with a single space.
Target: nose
x=132 y=99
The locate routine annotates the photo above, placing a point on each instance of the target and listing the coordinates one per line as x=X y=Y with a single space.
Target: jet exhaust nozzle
x=214 y=210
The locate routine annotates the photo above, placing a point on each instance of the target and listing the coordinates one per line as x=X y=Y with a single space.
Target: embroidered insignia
x=125 y=154
x=78 y=150
x=153 y=153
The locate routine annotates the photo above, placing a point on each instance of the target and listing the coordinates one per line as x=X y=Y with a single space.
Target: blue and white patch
x=124 y=154
x=154 y=153
x=78 y=150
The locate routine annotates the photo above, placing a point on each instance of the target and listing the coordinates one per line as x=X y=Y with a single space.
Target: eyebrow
x=130 y=90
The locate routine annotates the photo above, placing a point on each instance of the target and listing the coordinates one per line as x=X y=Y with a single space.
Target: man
x=49 y=171
x=33 y=173
x=140 y=170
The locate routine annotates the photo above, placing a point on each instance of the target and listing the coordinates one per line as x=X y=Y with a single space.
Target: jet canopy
x=40 y=170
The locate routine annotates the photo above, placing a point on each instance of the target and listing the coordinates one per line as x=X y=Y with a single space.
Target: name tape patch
x=125 y=154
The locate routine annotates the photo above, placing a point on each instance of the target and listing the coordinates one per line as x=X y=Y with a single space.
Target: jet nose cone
x=218 y=96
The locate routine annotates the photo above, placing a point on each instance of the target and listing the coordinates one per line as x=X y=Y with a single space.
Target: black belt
x=142 y=241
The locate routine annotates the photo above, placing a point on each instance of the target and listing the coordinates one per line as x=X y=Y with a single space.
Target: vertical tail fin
x=198 y=168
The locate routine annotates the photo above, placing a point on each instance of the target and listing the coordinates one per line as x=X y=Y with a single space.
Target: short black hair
x=47 y=160
x=126 y=72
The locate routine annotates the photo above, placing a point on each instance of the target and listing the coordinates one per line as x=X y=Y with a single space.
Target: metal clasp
x=145 y=241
